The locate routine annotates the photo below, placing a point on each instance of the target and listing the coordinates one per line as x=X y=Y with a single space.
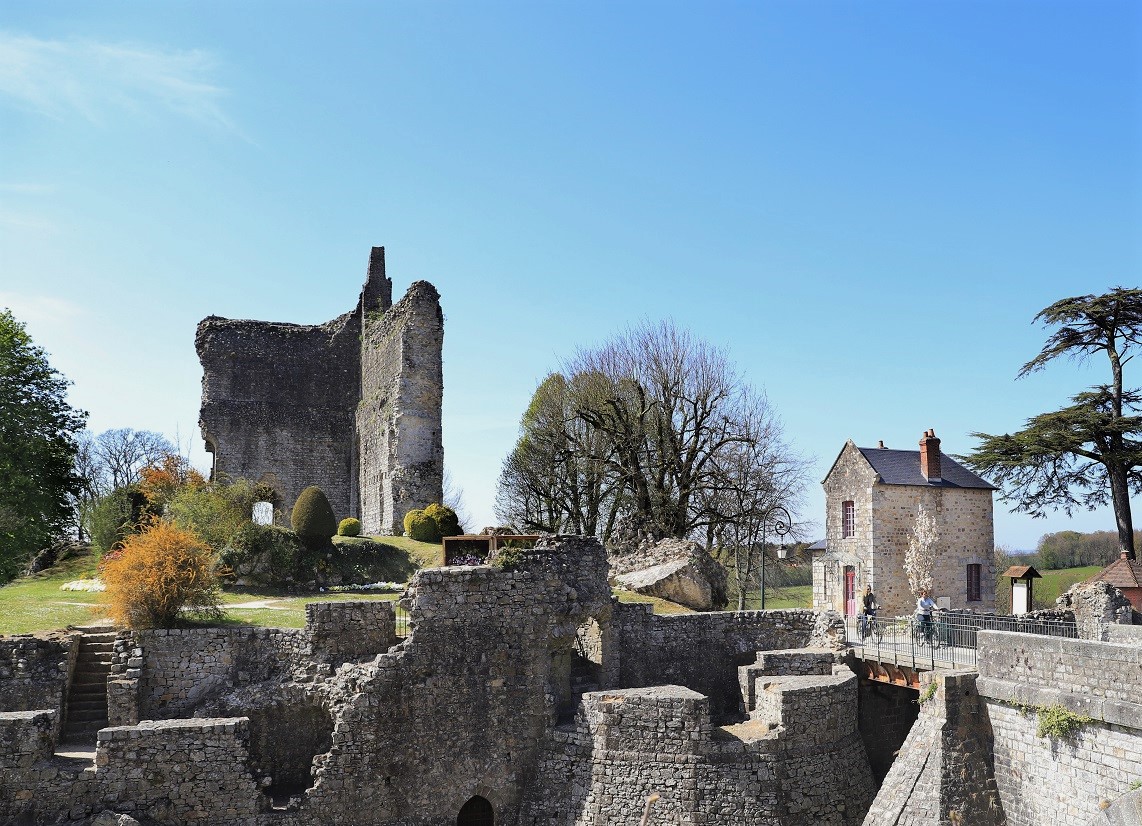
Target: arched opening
x=476 y=812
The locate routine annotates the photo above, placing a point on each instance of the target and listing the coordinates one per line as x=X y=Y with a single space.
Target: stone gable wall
x=966 y=535
x=851 y=478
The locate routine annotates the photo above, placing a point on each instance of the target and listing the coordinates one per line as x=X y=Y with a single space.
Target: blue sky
x=864 y=203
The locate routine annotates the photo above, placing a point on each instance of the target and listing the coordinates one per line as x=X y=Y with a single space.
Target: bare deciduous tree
x=656 y=426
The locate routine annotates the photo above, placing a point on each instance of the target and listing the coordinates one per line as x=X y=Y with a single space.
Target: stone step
x=91 y=675
x=88 y=716
x=100 y=663
x=86 y=647
x=84 y=730
x=93 y=703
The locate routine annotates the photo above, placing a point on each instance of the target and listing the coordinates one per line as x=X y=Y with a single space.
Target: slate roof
x=902 y=467
x=819 y=545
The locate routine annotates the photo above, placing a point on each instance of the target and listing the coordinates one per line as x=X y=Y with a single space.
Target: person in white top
x=925 y=605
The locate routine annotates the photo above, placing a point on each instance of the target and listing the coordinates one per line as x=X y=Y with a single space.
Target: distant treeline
x=1071 y=549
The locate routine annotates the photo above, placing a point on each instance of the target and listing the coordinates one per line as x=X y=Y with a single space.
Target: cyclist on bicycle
x=925 y=605
x=868 y=614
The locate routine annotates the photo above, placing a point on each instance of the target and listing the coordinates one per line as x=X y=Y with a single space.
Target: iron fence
x=949 y=639
x=402 y=627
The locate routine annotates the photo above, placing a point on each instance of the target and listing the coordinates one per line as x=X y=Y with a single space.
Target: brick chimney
x=930 y=456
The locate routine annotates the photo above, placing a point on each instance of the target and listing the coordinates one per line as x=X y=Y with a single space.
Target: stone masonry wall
x=398 y=420
x=964 y=519
x=177 y=671
x=179 y=771
x=277 y=404
x=627 y=744
x=701 y=651
x=1064 y=781
x=352 y=405
x=851 y=479
x=944 y=773
x=481 y=699
x=35 y=670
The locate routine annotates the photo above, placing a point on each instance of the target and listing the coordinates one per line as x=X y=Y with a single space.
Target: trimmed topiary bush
x=349 y=527
x=312 y=518
x=420 y=526
x=445 y=519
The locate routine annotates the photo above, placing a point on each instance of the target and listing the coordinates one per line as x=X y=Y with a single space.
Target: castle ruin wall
x=277 y=402
x=352 y=405
x=35 y=670
x=401 y=440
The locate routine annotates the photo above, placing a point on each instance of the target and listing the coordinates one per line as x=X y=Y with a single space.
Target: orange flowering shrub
x=157 y=574
x=160 y=482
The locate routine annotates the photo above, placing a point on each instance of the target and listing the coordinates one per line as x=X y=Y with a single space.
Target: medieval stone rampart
x=509 y=688
x=702 y=651
x=976 y=755
x=352 y=405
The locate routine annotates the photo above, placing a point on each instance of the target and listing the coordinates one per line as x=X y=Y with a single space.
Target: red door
x=850 y=591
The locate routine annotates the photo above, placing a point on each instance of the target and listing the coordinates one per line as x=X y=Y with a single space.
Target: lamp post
x=778 y=518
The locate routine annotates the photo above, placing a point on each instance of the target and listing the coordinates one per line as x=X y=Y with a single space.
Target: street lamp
x=777 y=519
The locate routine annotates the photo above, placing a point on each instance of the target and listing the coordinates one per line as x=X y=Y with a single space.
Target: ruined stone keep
x=872 y=498
x=352 y=405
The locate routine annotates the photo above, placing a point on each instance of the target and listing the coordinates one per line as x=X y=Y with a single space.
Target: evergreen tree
x=1088 y=453
x=38 y=431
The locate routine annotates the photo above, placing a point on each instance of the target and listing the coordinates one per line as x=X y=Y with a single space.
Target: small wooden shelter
x=1022 y=577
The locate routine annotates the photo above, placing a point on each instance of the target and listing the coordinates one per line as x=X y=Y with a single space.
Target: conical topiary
x=312 y=518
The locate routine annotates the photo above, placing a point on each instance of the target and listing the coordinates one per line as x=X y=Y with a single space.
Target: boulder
x=673 y=569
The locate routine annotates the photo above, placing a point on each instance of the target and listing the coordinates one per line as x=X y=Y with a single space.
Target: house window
x=848 y=519
x=973 y=582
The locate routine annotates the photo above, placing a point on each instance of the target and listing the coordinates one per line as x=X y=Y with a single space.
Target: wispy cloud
x=27 y=188
x=40 y=309
x=98 y=81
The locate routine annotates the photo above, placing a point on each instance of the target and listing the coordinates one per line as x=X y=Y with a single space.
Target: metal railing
x=948 y=640
x=402 y=627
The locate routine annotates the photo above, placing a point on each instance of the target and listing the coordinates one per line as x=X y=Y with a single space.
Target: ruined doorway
x=476 y=812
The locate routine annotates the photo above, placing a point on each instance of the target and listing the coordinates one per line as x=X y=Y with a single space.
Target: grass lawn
x=36 y=603
x=791 y=596
x=1055 y=583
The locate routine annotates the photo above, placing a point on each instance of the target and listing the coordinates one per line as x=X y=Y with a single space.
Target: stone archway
x=476 y=812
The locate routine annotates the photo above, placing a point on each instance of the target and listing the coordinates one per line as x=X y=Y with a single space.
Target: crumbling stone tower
x=352 y=405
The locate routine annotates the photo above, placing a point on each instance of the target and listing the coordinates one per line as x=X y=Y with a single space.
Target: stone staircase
x=87 y=694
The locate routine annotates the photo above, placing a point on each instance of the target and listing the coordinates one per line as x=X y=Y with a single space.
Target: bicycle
x=926 y=631
x=870 y=627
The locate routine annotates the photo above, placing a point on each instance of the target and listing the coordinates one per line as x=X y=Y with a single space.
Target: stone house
x=873 y=497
